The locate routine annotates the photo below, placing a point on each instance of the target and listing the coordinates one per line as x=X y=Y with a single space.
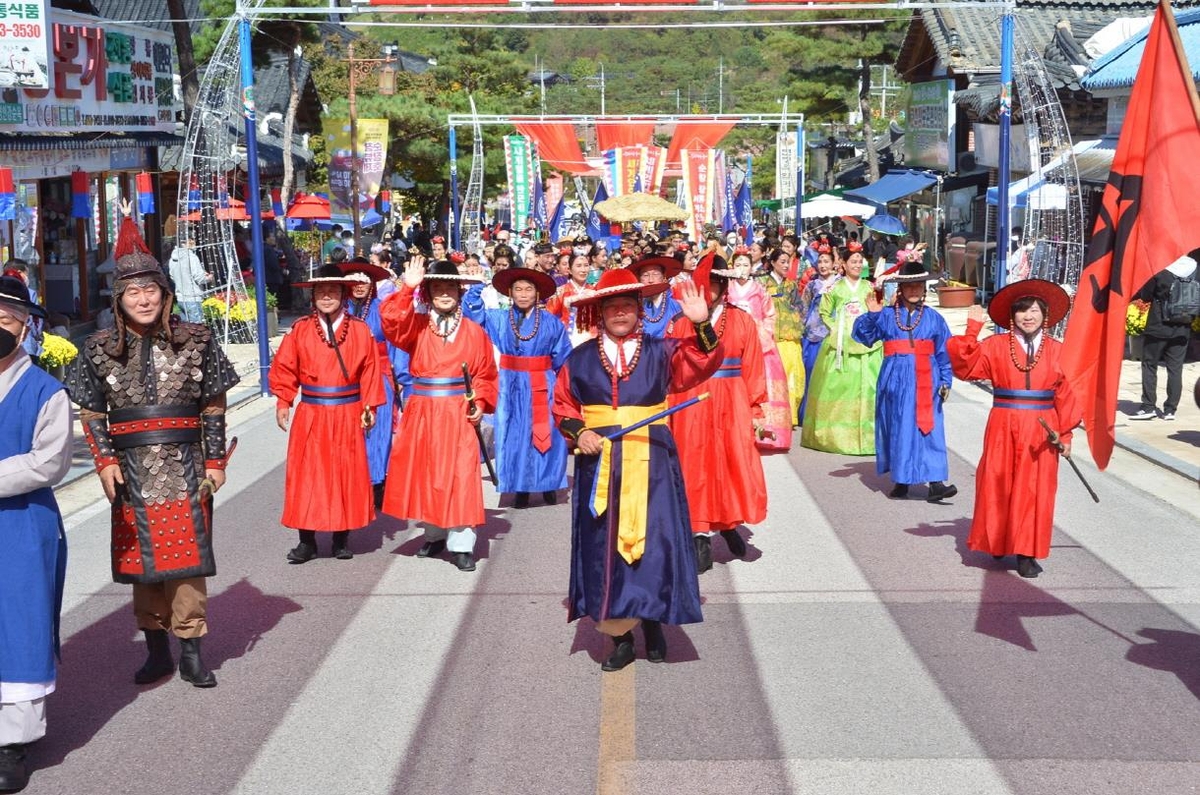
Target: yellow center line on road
x=618 y=725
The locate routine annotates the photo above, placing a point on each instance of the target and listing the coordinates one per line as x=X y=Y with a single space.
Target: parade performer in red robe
x=721 y=464
x=151 y=394
x=631 y=558
x=1017 y=477
x=439 y=451
x=330 y=359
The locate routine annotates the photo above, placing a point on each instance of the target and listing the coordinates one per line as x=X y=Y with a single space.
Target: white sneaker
x=1144 y=414
x=1169 y=417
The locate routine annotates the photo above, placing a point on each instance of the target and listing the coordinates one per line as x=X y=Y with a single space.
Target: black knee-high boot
x=340 y=550
x=191 y=667
x=656 y=644
x=158 y=659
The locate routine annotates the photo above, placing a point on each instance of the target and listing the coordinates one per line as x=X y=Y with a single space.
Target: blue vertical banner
x=253 y=206
x=556 y=221
x=729 y=220
x=596 y=228
x=746 y=216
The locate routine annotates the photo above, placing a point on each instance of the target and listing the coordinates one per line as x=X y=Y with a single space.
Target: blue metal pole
x=453 y=219
x=799 y=175
x=253 y=206
x=1003 y=222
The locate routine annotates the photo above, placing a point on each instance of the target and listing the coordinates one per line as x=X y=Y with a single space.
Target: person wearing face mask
x=1017 y=477
x=632 y=559
x=914 y=382
x=440 y=453
x=35 y=454
x=533 y=344
x=151 y=394
x=332 y=361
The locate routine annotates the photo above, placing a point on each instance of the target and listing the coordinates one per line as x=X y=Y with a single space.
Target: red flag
x=1145 y=223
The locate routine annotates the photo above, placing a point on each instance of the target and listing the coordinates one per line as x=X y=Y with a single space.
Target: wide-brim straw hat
x=363 y=265
x=1058 y=303
x=671 y=267
x=615 y=282
x=504 y=280
x=447 y=271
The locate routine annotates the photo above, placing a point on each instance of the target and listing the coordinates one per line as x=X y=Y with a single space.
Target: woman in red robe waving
x=438 y=455
x=1017 y=477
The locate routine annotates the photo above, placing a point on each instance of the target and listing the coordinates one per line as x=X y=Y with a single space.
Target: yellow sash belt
x=635 y=473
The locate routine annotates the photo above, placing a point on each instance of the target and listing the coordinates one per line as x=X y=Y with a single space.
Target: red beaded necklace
x=1012 y=351
x=341 y=332
x=433 y=326
x=516 y=325
x=627 y=367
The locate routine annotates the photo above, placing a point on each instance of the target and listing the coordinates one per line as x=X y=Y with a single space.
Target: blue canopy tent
x=892 y=186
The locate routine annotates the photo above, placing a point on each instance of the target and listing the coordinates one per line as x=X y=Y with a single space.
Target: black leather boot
x=939 y=491
x=550 y=497
x=158 y=659
x=656 y=644
x=191 y=667
x=622 y=653
x=521 y=500
x=377 y=493
x=733 y=539
x=14 y=775
x=306 y=550
x=703 y=553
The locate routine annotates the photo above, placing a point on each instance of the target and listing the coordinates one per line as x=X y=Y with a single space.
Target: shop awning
x=1034 y=191
x=28 y=142
x=893 y=185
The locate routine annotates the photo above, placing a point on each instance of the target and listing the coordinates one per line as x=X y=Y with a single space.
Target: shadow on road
x=1172 y=651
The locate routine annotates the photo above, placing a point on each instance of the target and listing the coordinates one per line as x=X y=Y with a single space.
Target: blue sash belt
x=1026 y=399
x=328 y=395
x=730 y=368
x=438 y=387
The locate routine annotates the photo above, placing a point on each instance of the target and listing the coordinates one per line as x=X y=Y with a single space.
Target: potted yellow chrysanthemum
x=57 y=353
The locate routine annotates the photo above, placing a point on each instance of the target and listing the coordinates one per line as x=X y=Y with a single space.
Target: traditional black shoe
x=1028 y=567
x=997 y=557
x=14 y=775
x=898 y=492
x=158 y=663
x=733 y=539
x=550 y=497
x=622 y=653
x=703 y=553
x=302 y=553
x=521 y=500
x=465 y=561
x=431 y=548
x=340 y=549
x=191 y=667
x=377 y=493
x=656 y=644
x=939 y=491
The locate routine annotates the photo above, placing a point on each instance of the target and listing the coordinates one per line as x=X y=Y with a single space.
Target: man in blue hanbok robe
x=35 y=453
x=393 y=367
x=657 y=310
x=632 y=558
x=910 y=435
x=533 y=344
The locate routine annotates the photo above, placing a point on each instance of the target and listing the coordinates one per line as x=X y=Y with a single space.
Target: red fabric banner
x=6 y=180
x=613 y=135
x=696 y=135
x=1144 y=224
x=556 y=144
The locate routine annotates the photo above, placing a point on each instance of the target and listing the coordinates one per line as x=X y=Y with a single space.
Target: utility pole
x=602 y=111
x=721 y=85
x=541 y=80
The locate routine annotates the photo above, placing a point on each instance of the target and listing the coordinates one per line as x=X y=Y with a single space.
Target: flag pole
x=1188 y=80
x=1003 y=160
x=453 y=219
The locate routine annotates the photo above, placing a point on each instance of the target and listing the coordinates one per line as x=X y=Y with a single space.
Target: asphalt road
x=860 y=648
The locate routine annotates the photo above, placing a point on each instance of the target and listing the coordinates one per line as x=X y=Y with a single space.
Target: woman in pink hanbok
x=750 y=296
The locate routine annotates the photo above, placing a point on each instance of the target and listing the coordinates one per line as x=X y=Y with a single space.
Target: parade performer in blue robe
x=910 y=434
x=632 y=557
x=35 y=453
x=393 y=367
x=657 y=310
x=533 y=344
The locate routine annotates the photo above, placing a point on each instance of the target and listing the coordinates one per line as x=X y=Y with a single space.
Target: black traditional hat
x=543 y=248
x=912 y=270
x=14 y=293
x=333 y=274
x=448 y=271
